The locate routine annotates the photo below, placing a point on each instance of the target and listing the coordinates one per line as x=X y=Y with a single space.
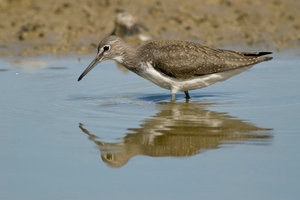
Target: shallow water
x=114 y=135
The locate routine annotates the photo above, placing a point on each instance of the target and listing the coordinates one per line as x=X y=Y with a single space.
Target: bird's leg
x=173 y=96
x=187 y=96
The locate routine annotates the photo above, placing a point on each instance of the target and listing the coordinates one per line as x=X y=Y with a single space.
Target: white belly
x=148 y=72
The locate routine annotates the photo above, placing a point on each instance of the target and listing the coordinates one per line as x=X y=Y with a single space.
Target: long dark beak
x=90 y=67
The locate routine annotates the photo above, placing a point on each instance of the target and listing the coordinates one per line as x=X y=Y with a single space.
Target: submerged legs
x=173 y=96
x=187 y=96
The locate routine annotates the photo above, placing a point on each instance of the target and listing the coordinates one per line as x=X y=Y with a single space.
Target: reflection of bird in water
x=179 y=130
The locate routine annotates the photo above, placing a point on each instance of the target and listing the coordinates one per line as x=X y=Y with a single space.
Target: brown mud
x=34 y=27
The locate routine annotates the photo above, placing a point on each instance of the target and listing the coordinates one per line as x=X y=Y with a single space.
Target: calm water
x=114 y=135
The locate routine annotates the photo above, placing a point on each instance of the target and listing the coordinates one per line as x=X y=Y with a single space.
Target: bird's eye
x=106 y=48
x=109 y=157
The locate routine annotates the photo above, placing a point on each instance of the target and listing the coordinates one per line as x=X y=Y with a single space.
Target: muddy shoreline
x=32 y=27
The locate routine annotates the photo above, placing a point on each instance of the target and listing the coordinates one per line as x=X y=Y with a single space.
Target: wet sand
x=32 y=27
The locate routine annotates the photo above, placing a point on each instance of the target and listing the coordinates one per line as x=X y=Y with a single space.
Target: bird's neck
x=129 y=57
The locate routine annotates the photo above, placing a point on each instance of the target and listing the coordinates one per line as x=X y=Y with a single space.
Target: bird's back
x=184 y=60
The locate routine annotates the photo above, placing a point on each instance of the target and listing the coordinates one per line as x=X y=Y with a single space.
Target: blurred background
x=32 y=27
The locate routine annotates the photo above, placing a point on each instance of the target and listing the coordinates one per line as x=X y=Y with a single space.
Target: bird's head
x=110 y=48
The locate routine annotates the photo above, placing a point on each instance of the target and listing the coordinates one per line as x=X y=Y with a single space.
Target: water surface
x=114 y=135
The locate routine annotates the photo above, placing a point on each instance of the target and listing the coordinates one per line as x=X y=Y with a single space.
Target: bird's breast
x=147 y=71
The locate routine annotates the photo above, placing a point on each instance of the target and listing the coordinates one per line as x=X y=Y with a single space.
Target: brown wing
x=184 y=60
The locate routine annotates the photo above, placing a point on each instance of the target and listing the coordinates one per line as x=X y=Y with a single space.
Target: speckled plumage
x=176 y=65
x=182 y=59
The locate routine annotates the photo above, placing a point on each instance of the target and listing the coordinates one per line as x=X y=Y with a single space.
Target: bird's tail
x=258 y=54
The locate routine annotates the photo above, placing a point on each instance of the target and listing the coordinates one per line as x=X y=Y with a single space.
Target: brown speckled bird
x=176 y=65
